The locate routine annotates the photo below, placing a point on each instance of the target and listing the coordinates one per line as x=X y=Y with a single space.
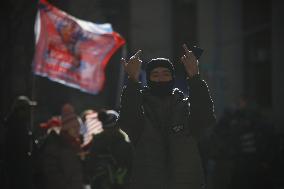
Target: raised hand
x=133 y=65
x=190 y=62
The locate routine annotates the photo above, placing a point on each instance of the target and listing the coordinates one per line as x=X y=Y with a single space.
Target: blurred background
x=242 y=41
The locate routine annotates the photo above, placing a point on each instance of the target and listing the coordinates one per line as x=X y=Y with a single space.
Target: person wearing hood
x=164 y=126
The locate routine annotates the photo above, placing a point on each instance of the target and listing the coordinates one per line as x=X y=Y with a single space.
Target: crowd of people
x=160 y=139
x=72 y=151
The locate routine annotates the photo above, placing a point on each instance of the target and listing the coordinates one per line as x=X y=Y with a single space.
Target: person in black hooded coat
x=164 y=126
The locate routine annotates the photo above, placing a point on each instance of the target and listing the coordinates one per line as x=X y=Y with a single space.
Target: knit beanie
x=108 y=118
x=159 y=62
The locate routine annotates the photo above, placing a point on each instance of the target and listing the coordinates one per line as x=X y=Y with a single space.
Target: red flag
x=72 y=51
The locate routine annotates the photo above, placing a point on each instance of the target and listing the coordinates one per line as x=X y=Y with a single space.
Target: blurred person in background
x=108 y=162
x=244 y=148
x=62 y=167
x=18 y=139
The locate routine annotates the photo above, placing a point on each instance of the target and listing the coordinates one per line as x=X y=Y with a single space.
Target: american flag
x=92 y=126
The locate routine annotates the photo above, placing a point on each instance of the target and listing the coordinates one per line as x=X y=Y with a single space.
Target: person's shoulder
x=52 y=136
x=55 y=139
x=51 y=142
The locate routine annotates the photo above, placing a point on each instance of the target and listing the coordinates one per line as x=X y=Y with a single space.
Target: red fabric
x=72 y=51
x=52 y=122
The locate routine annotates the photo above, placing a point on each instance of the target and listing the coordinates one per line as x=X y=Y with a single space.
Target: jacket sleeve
x=201 y=106
x=130 y=119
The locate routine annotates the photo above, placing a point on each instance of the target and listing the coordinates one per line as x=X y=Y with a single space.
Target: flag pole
x=120 y=77
x=32 y=112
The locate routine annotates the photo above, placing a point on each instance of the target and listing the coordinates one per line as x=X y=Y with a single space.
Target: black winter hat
x=108 y=118
x=159 y=62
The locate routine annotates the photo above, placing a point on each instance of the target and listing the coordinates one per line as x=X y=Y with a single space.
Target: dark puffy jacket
x=61 y=165
x=165 y=132
x=107 y=166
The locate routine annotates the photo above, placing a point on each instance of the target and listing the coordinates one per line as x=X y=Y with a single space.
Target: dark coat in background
x=61 y=164
x=17 y=161
x=165 y=132
x=108 y=163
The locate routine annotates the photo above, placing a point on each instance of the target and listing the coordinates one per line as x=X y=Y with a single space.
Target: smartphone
x=197 y=51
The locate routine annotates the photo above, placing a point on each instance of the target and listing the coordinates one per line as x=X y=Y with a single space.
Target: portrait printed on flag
x=71 y=51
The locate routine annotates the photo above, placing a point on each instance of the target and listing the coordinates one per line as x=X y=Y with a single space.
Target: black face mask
x=161 y=89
